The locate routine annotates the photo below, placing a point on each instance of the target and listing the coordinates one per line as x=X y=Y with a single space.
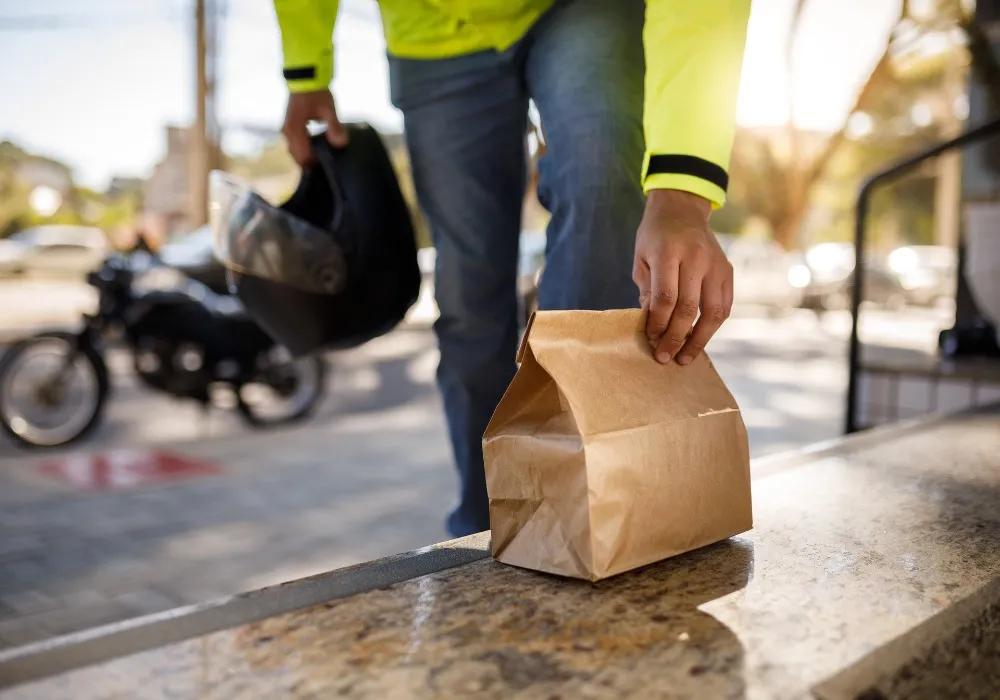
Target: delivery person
x=630 y=181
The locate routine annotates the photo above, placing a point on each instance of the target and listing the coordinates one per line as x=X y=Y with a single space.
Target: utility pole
x=203 y=136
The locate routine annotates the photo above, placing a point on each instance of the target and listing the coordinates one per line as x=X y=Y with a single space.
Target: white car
x=764 y=274
x=927 y=273
x=66 y=251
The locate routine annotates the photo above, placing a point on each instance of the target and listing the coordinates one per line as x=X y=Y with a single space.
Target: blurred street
x=82 y=543
x=752 y=351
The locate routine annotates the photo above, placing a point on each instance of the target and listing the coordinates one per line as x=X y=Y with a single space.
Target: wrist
x=678 y=204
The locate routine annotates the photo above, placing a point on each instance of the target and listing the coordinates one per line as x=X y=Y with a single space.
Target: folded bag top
x=599 y=459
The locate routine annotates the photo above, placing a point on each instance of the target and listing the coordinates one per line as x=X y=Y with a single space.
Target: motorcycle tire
x=250 y=415
x=9 y=361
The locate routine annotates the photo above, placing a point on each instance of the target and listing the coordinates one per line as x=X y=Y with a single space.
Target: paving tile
x=15 y=633
x=20 y=571
x=18 y=545
x=84 y=598
x=124 y=574
x=28 y=602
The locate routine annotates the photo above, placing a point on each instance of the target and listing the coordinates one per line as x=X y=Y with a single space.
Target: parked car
x=831 y=283
x=927 y=273
x=54 y=250
x=764 y=273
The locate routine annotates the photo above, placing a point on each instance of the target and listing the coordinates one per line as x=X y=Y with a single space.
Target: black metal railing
x=980 y=133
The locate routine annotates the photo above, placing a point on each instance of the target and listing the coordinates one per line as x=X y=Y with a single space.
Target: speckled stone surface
x=963 y=665
x=955 y=654
x=848 y=552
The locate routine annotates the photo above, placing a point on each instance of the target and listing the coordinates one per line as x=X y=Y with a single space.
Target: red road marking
x=126 y=468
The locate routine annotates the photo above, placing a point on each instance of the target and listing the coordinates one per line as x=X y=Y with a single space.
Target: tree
x=775 y=176
x=776 y=179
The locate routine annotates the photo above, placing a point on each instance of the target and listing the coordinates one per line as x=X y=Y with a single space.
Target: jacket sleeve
x=307 y=42
x=694 y=55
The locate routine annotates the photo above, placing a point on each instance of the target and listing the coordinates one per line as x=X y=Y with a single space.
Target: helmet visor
x=254 y=238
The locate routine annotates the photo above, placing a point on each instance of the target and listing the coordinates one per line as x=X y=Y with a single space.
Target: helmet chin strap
x=324 y=156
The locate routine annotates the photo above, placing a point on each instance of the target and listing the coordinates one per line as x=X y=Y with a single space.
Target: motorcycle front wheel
x=52 y=390
x=283 y=391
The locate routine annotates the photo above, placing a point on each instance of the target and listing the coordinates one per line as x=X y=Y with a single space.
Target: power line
x=28 y=23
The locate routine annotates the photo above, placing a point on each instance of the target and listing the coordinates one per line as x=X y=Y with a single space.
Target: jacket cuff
x=310 y=77
x=686 y=173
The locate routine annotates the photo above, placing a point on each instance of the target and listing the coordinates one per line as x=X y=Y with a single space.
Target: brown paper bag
x=599 y=459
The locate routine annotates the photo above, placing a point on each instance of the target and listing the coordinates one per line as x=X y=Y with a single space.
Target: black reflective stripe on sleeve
x=304 y=73
x=688 y=165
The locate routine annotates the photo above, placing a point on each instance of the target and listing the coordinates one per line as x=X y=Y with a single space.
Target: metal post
x=857 y=296
x=864 y=196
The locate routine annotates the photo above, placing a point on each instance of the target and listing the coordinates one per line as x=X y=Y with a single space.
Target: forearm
x=694 y=55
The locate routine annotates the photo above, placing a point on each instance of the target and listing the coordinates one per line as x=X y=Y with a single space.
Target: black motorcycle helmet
x=335 y=265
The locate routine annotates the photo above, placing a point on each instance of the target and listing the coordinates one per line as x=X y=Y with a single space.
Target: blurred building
x=166 y=194
x=121 y=186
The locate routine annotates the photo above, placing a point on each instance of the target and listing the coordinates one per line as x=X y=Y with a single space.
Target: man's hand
x=679 y=269
x=304 y=107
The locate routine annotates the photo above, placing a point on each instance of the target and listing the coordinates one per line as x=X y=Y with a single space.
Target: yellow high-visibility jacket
x=694 y=54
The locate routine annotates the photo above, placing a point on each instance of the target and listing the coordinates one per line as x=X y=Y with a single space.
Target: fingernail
x=663 y=357
x=684 y=359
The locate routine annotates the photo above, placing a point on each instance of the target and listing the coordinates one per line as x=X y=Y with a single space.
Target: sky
x=94 y=84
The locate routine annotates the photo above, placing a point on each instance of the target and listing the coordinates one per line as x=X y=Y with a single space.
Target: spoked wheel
x=52 y=392
x=284 y=390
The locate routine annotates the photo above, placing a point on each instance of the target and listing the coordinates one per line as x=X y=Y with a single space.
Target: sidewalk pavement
x=279 y=508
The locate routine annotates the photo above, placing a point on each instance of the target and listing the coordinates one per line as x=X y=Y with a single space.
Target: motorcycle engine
x=173 y=366
x=182 y=348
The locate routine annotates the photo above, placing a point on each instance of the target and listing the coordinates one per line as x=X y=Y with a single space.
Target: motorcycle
x=187 y=340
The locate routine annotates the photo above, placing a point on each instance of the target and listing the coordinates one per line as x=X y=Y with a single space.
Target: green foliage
x=902 y=211
x=804 y=185
x=80 y=205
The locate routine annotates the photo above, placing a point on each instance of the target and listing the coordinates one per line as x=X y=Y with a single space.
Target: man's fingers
x=640 y=275
x=713 y=313
x=662 y=298
x=303 y=108
x=685 y=311
x=727 y=294
x=298 y=143
x=336 y=133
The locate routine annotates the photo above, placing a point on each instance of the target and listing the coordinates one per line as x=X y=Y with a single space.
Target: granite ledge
x=853 y=547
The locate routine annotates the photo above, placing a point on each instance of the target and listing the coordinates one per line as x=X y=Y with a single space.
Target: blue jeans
x=466 y=123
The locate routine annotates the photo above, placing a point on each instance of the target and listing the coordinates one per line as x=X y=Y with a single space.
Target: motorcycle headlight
x=799 y=276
